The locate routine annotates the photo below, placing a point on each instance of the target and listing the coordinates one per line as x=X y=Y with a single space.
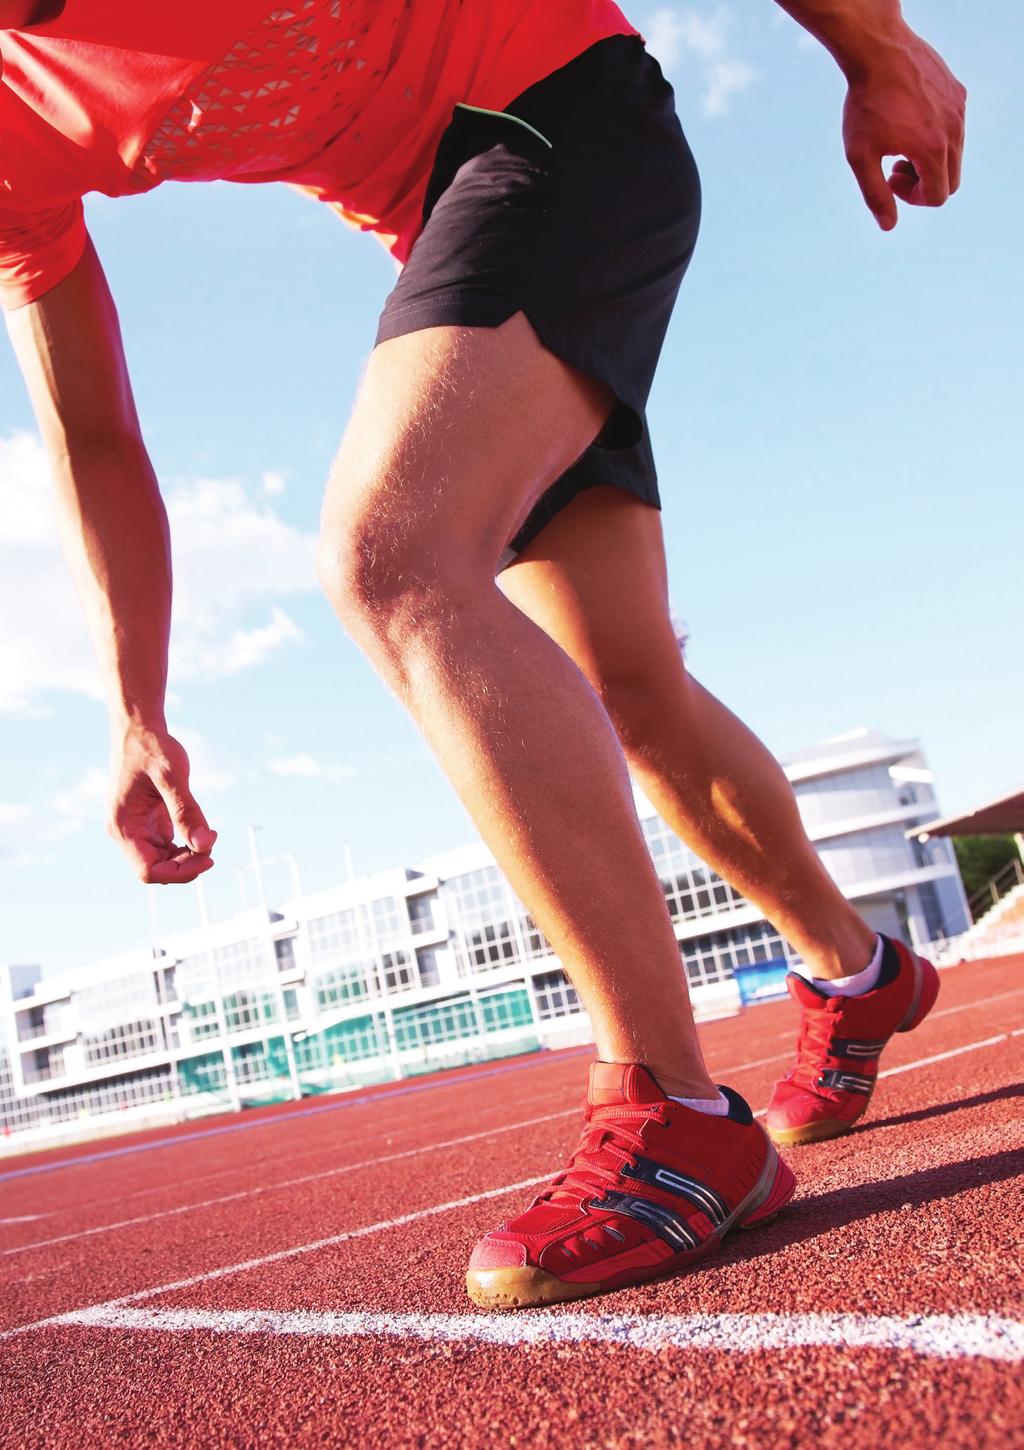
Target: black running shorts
x=579 y=206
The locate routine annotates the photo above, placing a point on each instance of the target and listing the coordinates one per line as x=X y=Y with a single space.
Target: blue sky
x=837 y=427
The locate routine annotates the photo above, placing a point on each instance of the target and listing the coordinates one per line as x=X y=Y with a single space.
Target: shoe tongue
x=616 y=1083
x=805 y=992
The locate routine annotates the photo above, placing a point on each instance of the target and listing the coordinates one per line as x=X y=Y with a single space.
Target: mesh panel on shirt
x=284 y=90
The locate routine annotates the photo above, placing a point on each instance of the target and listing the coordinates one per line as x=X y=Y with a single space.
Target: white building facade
x=413 y=970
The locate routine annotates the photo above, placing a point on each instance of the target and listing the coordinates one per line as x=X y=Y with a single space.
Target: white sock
x=716 y=1107
x=853 y=986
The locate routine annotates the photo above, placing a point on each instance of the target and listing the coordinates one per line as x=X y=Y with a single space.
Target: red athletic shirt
x=344 y=98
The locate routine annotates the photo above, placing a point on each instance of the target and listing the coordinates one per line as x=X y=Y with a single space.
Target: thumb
x=189 y=822
x=874 y=188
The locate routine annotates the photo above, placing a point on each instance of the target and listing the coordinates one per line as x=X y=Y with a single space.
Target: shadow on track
x=808 y=1218
x=937 y=1110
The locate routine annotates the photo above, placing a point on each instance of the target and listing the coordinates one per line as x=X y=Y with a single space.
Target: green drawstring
x=506 y=116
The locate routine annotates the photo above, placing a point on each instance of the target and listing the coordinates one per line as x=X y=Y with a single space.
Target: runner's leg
x=595 y=581
x=455 y=433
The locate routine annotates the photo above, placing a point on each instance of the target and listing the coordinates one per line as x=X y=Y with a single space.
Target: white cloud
x=307 y=767
x=690 y=38
x=29 y=836
x=43 y=644
x=272 y=482
x=251 y=646
x=726 y=79
x=83 y=799
x=233 y=557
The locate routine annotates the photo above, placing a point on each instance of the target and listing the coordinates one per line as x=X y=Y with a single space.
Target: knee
x=391 y=584
x=645 y=700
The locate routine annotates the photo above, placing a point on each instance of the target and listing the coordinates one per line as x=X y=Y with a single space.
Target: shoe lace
x=813 y=1046
x=605 y=1131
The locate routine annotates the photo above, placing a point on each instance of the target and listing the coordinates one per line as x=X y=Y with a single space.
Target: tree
x=980 y=857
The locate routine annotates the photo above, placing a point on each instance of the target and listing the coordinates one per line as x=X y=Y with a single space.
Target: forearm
x=112 y=519
x=114 y=531
x=855 y=32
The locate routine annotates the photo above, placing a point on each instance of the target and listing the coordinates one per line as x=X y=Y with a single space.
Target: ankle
x=693 y=1085
x=840 y=955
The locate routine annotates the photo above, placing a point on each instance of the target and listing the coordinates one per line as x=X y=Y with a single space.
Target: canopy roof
x=1002 y=817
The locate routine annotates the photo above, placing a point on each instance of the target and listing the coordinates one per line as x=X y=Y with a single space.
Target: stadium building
x=415 y=969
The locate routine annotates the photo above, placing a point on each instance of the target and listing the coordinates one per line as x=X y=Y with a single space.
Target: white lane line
x=978 y=1002
x=385 y=1131
x=757 y=1062
x=262 y=1189
x=228 y=1269
x=944 y=1056
x=940 y=1336
x=25 y=1218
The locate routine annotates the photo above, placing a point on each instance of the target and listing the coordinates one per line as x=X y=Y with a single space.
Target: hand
x=904 y=101
x=150 y=801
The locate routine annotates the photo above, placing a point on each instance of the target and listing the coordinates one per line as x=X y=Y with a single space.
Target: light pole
x=276 y=988
x=220 y=1016
x=157 y=954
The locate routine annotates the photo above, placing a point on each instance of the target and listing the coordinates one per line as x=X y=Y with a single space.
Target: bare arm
x=902 y=101
x=114 y=532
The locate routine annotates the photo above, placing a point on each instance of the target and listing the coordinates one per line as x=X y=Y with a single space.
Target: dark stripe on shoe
x=847 y=1082
x=855 y=1047
x=699 y=1194
x=675 y=1231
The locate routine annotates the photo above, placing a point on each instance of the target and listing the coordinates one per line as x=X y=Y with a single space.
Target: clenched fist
x=150 y=803
x=904 y=101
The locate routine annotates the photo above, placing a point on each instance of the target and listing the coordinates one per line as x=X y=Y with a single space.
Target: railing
x=1001 y=884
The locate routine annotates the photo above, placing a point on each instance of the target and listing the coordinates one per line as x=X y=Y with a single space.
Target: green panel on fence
x=351 y=1041
x=507 y=1009
x=204 y=1074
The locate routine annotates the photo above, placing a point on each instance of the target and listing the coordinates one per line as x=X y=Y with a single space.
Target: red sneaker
x=841 y=1038
x=651 y=1188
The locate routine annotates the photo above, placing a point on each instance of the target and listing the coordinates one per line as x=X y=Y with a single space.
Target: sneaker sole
x=926 y=990
x=530 y=1287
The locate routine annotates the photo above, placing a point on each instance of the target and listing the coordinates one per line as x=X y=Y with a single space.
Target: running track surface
x=296 y=1277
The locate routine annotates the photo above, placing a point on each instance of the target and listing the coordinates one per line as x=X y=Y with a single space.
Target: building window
x=421 y=914
x=340 y=987
x=555 y=996
x=127 y=1039
x=715 y=956
x=488 y=947
x=248 y=1011
x=284 y=951
x=429 y=966
x=398 y=972
x=390 y=920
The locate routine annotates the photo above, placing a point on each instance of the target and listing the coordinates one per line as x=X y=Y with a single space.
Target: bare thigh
x=595 y=580
x=455 y=434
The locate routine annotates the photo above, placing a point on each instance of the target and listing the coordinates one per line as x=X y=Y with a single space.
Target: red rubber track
x=918 y=1212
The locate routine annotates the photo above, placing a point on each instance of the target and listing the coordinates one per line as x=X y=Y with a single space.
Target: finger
x=155 y=867
x=867 y=168
x=903 y=180
x=923 y=181
x=179 y=870
x=186 y=813
x=156 y=860
x=935 y=179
